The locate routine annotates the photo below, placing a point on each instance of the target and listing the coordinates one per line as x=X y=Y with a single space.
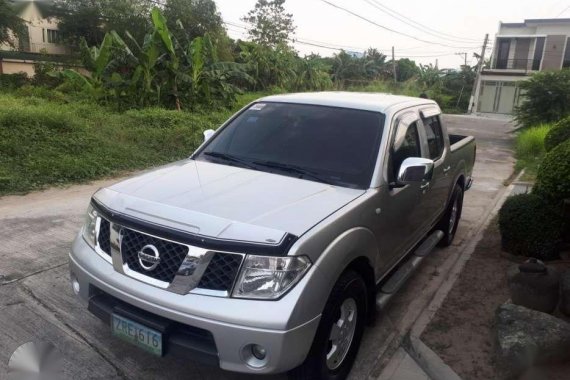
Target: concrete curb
x=425 y=357
x=428 y=360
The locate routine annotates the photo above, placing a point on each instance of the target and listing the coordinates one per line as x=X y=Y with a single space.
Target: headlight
x=90 y=227
x=268 y=277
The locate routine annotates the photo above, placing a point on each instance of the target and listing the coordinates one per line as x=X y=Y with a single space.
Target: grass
x=529 y=150
x=48 y=138
x=45 y=142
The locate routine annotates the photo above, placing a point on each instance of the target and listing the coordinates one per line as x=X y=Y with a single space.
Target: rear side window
x=406 y=145
x=434 y=137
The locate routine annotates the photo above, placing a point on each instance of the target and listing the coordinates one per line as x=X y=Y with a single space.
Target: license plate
x=141 y=336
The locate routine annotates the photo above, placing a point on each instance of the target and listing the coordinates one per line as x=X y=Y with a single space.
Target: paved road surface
x=36 y=302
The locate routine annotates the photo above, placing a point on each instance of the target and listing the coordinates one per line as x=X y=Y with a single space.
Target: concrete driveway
x=36 y=302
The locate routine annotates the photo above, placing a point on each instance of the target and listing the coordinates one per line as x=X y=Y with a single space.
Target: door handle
x=445 y=170
x=424 y=186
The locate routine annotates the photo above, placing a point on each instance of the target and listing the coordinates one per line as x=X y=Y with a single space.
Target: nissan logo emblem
x=149 y=258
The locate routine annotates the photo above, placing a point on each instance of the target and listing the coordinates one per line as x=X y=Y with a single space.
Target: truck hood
x=226 y=202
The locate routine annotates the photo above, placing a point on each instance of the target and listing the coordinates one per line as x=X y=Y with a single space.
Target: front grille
x=104 y=238
x=171 y=254
x=221 y=273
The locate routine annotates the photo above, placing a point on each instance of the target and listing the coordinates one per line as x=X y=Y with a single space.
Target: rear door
x=437 y=149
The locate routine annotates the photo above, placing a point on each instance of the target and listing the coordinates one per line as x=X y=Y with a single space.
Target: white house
x=43 y=38
x=521 y=49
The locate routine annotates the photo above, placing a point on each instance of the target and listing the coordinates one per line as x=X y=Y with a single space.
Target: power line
x=416 y=25
x=565 y=9
x=391 y=30
x=329 y=46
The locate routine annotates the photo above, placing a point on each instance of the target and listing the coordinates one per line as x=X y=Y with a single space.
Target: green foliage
x=530 y=227
x=406 y=69
x=197 y=18
x=558 y=134
x=10 y=24
x=546 y=98
x=530 y=142
x=160 y=71
x=43 y=142
x=553 y=180
x=91 y=19
x=13 y=81
x=529 y=149
x=271 y=25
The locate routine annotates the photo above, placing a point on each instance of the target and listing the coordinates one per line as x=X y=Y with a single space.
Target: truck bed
x=459 y=141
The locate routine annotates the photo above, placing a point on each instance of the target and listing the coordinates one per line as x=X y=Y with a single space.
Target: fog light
x=258 y=351
x=75 y=285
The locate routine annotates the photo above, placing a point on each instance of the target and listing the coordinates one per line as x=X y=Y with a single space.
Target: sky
x=454 y=27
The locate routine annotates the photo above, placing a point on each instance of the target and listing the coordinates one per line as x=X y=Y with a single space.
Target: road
x=36 y=302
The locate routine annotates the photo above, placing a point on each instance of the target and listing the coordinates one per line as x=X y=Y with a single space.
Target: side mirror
x=208 y=133
x=414 y=170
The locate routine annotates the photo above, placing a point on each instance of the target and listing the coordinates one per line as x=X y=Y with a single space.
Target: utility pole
x=394 y=65
x=465 y=55
x=477 y=87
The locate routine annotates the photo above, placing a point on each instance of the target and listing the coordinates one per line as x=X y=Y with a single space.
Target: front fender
x=354 y=243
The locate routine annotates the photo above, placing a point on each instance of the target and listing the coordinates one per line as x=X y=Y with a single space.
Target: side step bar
x=398 y=278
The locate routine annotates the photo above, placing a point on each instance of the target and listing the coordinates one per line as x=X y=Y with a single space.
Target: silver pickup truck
x=271 y=247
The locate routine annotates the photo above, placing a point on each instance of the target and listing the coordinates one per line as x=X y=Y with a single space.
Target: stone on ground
x=528 y=337
x=565 y=293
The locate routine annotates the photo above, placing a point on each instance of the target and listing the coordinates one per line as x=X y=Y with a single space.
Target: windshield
x=333 y=145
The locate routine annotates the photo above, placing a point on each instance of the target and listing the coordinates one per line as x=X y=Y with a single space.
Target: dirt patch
x=463 y=332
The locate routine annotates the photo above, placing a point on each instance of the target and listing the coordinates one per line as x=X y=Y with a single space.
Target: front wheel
x=339 y=333
x=450 y=219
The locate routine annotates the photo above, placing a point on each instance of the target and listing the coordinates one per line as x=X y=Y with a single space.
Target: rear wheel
x=339 y=333
x=450 y=219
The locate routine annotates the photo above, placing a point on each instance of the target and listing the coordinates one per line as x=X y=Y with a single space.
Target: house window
x=538 y=51
x=566 y=61
x=53 y=36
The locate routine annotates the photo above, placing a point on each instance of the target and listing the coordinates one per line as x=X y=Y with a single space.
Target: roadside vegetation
x=46 y=142
x=530 y=150
x=153 y=77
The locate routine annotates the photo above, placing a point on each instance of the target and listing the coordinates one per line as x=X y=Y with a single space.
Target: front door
x=400 y=223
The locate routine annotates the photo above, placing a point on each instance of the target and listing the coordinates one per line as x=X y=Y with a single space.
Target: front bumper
x=231 y=324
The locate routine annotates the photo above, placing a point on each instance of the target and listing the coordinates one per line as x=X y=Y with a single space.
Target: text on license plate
x=141 y=336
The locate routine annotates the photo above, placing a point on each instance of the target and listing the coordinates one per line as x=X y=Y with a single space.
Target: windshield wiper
x=229 y=157
x=293 y=169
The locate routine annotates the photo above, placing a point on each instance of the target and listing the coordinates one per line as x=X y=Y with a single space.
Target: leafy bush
x=530 y=227
x=558 y=134
x=13 y=81
x=553 y=180
x=546 y=98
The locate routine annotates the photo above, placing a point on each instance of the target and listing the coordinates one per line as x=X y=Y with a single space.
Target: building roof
x=377 y=102
x=536 y=21
x=43 y=5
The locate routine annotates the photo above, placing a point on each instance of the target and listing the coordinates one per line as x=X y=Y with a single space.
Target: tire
x=348 y=297
x=450 y=219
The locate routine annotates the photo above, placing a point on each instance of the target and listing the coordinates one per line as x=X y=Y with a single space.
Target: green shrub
x=530 y=227
x=530 y=142
x=13 y=81
x=553 y=180
x=546 y=98
x=558 y=134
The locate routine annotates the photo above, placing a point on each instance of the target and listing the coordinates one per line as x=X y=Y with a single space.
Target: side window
x=434 y=137
x=406 y=145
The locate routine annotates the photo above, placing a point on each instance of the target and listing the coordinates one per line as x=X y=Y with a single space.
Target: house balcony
x=517 y=64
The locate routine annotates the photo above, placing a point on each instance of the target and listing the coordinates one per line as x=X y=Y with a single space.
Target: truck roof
x=369 y=101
